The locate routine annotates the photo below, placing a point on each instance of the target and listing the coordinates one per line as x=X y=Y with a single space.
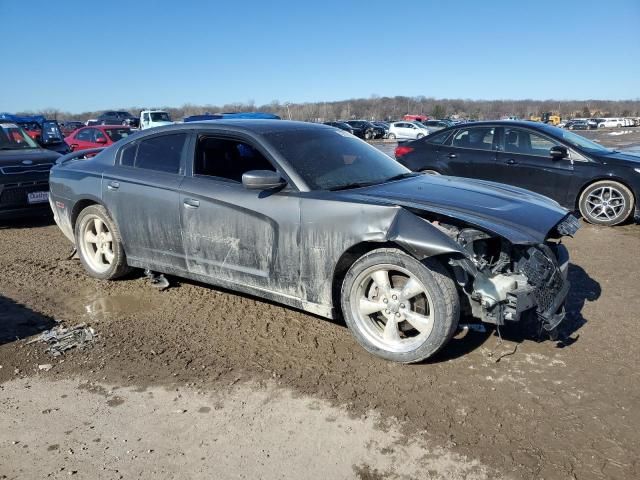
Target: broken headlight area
x=504 y=282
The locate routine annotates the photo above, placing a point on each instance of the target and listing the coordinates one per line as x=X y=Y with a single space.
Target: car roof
x=257 y=127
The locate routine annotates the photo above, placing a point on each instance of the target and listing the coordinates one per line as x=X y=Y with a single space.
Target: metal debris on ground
x=61 y=339
x=158 y=280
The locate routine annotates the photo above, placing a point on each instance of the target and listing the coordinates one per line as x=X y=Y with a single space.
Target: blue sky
x=89 y=55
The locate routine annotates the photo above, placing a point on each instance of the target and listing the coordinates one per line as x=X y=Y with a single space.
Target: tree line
x=392 y=108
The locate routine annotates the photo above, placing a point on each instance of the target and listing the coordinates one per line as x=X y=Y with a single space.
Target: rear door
x=232 y=233
x=470 y=152
x=142 y=194
x=524 y=161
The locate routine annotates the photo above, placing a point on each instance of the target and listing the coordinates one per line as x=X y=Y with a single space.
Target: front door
x=142 y=194
x=232 y=233
x=524 y=161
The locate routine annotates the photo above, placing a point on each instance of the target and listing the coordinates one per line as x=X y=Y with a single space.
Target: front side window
x=116 y=134
x=526 y=142
x=227 y=159
x=478 y=138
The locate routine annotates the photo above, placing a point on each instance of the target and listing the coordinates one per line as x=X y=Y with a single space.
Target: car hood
x=622 y=158
x=521 y=216
x=33 y=155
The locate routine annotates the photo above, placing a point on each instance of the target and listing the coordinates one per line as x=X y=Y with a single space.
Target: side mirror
x=558 y=152
x=262 y=180
x=101 y=140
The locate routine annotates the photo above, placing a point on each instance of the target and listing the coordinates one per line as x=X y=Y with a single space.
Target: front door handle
x=511 y=161
x=113 y=185
x=191 y=203
x=452 y=155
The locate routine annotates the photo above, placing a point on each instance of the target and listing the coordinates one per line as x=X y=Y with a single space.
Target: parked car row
x=594 y=123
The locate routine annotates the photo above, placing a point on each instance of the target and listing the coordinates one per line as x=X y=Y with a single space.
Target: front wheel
x=99 y=244
x=420 y=135
x=606 y=203
x=392 y=136
x=399 y=308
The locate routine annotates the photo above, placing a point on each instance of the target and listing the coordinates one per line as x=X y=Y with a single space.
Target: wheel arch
x=79 y=206
x=408 y=233
x=591 y=181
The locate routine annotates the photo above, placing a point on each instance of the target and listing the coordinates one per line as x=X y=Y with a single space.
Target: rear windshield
x=116 y=134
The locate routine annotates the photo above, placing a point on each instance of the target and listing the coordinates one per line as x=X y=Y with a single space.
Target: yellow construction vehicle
x=547 y=117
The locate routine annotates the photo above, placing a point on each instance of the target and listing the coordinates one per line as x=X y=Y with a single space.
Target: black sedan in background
x=577 y=125
x=111 y=117
x=603 y=184
x=310 y=216
x=365 y=129
x=341 y=125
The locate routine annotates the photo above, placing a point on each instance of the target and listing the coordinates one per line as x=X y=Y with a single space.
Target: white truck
x=154 y=118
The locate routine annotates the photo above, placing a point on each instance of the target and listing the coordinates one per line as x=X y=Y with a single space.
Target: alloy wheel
x=97 y=244
x=605 y=203
x=392 y=308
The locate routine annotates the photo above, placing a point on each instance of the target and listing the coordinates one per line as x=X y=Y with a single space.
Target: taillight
x=401 y=151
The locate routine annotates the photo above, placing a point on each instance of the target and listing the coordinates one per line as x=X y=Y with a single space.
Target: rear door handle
x=113 y=185
x=452 y=155
x=511 y=161
x=191 y=203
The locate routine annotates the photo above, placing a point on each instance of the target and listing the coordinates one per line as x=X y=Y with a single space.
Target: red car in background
x=96 y=137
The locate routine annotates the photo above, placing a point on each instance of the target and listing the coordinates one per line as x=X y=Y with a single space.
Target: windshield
x=579 y=141
x=116 y=134
x=333 y=159
x=13 y=137
x=160 y=117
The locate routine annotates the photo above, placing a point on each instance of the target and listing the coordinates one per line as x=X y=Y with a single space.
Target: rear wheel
x=606 y=203
x=399 y=308
x=99 y=244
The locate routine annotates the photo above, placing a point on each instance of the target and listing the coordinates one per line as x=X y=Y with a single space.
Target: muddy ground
x=523 y=407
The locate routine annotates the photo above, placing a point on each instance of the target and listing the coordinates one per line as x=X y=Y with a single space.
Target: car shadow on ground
x=18 y=321
x=583 y=289
x=27 y=222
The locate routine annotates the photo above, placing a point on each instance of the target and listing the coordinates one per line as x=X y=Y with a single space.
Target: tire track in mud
x=543 y=412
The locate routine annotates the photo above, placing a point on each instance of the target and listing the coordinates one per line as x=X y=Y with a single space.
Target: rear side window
x=162 y=153
x=85 y=135
x=438 y=138
x=479 y=138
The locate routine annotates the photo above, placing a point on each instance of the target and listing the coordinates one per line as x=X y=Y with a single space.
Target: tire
x=95 y=223
x=367 y=310
x=368 y=135
x=419 y=136
x=606 y=203
x=392 y=136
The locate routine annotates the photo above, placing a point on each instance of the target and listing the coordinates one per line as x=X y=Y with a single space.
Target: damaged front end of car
x=503 y=281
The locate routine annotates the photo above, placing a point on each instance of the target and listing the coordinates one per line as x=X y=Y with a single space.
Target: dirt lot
x=548 y=409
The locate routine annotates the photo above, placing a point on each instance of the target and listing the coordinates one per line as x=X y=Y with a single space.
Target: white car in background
x=611 y=123
x=154 y=118
x=407 y=130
